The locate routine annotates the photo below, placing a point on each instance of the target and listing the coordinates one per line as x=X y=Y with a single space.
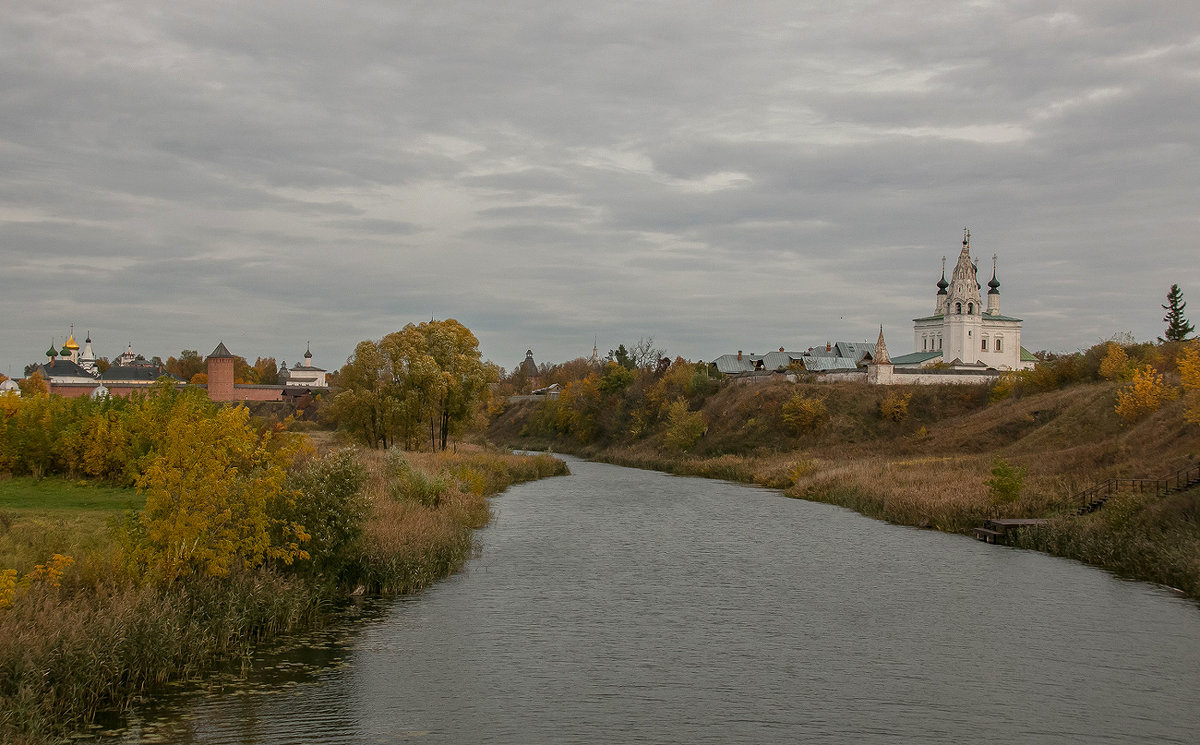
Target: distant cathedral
x=962 y=332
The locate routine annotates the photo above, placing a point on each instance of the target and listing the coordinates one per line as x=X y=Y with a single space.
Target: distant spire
x=881 y=353
x=942 y=283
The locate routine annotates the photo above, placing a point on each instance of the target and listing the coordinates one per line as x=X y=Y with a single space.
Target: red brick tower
x=220 y=374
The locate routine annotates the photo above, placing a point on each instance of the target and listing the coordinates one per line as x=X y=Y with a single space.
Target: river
x=617 y=606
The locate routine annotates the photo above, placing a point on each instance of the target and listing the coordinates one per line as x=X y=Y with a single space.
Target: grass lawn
x=53 y=496
x=41 y=518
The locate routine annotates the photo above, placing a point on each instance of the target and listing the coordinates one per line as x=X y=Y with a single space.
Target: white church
x=962 y=332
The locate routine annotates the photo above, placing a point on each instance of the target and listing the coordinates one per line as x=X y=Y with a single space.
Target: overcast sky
x=716 y=175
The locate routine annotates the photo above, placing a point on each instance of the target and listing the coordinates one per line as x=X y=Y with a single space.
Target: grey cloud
x=713 y=175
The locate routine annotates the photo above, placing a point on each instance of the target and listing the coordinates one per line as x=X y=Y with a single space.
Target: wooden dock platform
x=996 y=531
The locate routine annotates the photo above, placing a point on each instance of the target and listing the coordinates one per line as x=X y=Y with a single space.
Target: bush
x=414 y=485
x=1144 y=395
x=894 y=407
x=802 y=414
x=684 y=428
x=1004 y=487
x=330 y=507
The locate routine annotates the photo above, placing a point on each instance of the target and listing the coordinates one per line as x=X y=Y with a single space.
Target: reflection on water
x=617 y=605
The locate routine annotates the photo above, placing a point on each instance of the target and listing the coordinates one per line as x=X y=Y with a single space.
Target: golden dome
x=71 y=343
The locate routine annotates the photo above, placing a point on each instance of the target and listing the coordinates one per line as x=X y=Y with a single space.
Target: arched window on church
x=939 y=343
x=997 y=345
x=924 y=343
x=958 y=308
x=970 y=308
x=983 y=342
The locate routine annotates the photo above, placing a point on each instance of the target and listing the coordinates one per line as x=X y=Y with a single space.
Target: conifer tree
x=1178 y=327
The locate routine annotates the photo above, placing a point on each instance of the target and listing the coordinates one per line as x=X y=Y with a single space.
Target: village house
x=842 y=355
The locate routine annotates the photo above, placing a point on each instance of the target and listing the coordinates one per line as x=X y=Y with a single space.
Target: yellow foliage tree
x=1116 y=364
x=802 y=414
x=210 y=492
x=1145 y=394
x=34 y=385
x=1189 y=376
x=894 y=407
x=684 y=428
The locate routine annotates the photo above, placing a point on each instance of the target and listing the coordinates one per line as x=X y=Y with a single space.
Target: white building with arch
x=962 y=332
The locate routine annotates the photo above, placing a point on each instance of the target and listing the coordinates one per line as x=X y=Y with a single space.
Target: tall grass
x=1135 y=535
x=102 y=638
x=424 y=508
x=67 y=653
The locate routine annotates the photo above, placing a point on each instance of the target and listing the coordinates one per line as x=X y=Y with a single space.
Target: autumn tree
x=34 y=385
x=425 y=374
x=684 y=428
x=802 y=414
x=187 y=365
x=1188 y=363
x=413 y=383
x=243 y=372
x=579 y=407
x=1145 y=394
x=1116 y=364
x=266 y=372
x=212 y=489
x=1178 y=327
x=894 y=406
x=464 y=376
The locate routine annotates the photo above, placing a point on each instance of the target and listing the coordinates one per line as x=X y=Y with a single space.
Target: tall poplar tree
x=1178 y=327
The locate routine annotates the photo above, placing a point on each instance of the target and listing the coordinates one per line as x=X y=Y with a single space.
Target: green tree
x=1178 y=327
x=360 y=404
x=1004 y=487
x=616 y=378
x=329 y=503
x=621 y=356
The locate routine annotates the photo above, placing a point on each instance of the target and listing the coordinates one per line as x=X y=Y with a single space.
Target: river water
x=616 y=606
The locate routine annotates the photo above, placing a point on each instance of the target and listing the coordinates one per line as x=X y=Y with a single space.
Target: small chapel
x=962 y=332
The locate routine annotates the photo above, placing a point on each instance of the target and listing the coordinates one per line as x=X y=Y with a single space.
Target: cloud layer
x=718 y=176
